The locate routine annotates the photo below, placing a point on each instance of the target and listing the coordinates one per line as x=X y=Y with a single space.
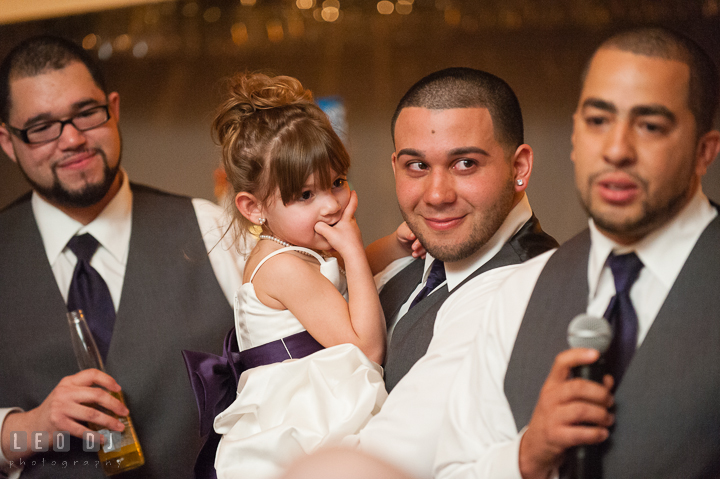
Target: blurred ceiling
x=167 y=58
x=23 y=10
x=168 y=29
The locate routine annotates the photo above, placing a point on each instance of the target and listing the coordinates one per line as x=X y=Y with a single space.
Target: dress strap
x=300 y=249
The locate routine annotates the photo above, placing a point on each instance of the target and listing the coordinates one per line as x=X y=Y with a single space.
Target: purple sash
x=214 y=381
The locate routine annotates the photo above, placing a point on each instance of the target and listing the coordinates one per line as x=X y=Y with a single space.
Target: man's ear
x=249 y=207
x=114 y=105
x=707 y=150
x=6 y=143
x=522 y=163
x=393 y=160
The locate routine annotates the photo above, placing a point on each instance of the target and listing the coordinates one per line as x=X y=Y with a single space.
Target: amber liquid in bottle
x=121 y=451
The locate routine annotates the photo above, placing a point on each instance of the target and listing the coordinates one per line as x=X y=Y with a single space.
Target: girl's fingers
x=351 y=207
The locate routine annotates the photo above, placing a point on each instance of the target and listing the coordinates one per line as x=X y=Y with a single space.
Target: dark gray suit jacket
x=413 y=332
x=170 y=301
x=667 y=422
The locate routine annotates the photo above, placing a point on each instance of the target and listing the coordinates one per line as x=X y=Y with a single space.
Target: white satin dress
x=284 y=410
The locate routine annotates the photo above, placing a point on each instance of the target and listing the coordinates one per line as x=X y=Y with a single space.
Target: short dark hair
x=469 y=88
x=659 y=42
x=37 y=55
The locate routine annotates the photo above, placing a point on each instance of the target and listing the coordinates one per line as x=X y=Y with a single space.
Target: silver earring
x=520 y=182
x=261 y=221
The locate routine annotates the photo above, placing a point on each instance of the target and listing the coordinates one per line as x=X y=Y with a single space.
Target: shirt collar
x=457 y=271
x=111 y=228
x=664 y=251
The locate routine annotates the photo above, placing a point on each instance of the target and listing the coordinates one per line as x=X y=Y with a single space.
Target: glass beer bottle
x=121 y=451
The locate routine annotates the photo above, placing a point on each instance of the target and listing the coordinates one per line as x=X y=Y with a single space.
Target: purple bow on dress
x=214 y=379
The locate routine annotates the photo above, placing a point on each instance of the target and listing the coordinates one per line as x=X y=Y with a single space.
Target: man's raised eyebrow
x=463 y=150
x=410 y=152
x=599 y=104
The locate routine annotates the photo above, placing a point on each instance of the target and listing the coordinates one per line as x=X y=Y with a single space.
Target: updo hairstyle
x=273 y=136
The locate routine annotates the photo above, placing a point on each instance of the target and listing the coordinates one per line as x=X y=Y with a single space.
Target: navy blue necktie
x=436 y=277
x=89 y=292
x=621 y=314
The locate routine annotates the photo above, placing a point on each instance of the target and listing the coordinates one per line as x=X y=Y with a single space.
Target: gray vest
x=414 y=331
x=667 y=422
x=170 y=301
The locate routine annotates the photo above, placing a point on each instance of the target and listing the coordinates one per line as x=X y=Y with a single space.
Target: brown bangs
x=306 y=146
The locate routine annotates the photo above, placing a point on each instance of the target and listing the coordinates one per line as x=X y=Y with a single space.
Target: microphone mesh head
x=592 y=332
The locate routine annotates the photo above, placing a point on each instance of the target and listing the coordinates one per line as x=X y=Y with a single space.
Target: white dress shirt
x=406 y=430
x=479 y=437
x=112 y=229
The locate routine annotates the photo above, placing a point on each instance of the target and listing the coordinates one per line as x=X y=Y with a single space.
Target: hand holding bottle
x=67 y=409
x=120 y=451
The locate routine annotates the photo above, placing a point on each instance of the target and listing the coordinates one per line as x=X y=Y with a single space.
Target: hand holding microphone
x=571 y=413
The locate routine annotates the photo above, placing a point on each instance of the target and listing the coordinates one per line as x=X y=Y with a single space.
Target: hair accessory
x=520 y=182
x=261 y=221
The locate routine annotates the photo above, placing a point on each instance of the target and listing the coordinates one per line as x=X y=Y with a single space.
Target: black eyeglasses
x=51 y=130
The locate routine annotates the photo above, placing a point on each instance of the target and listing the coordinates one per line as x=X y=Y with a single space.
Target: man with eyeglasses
x=46 y=131
x=164 y=283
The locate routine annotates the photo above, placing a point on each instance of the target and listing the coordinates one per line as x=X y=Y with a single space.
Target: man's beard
x=480 y=233
x=652 y=215
x=89 y=195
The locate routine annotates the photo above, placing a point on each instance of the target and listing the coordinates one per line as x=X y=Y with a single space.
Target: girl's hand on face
x=344 y=236
x=409 y=241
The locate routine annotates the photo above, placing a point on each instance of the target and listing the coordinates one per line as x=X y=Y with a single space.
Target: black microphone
x=584 y=331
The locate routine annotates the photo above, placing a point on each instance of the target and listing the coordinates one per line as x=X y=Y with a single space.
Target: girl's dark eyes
x=339 y=182
x=306 y=195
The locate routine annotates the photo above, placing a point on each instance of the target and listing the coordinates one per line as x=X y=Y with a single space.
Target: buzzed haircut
x=659 y=42
x=38 y=55
x=469 y=88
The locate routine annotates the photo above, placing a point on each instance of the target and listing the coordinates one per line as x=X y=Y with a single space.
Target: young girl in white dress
x=288 y=169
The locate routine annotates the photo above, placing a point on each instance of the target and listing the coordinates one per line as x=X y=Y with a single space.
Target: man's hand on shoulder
x=569 y=412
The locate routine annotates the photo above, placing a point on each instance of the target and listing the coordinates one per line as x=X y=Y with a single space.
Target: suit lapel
x=397 y=291
x=414 y=331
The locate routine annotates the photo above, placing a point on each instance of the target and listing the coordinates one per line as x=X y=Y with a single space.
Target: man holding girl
x=461 y=170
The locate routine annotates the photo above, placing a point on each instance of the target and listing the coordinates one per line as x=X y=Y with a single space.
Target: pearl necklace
x=283 y=243
x=277 y=240
x=287 y=245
